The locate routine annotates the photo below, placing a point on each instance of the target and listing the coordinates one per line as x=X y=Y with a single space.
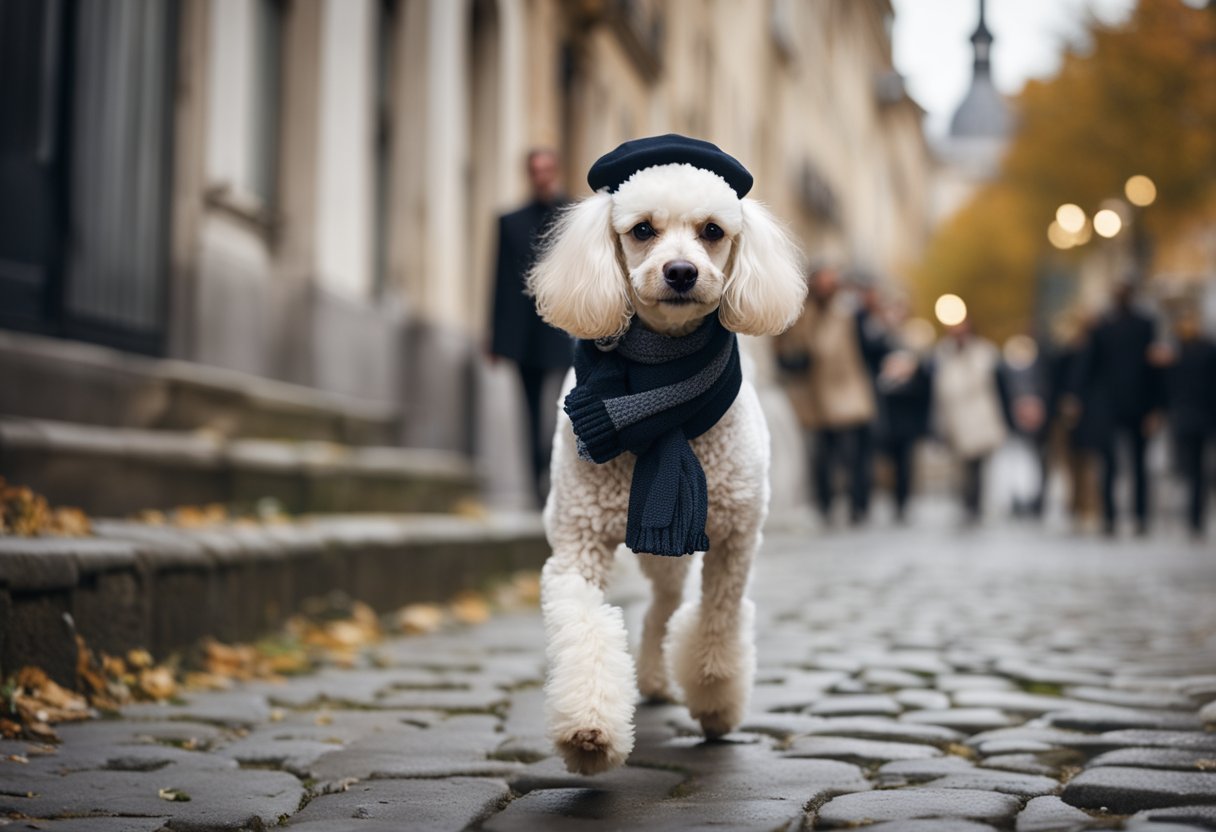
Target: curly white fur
x=593 y=277
x=589 y=715
x=766 y=288
x=577 y=284
x=713 y=668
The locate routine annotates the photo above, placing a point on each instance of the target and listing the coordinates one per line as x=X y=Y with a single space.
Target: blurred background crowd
x=304 y=222
x=1072 y=418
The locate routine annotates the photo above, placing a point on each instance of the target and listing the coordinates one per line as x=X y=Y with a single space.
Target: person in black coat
x=538 y=350
x=1190 y=395
x=1124 y=393
x=1071 y=414
x=1027 y=375
x=904 y=394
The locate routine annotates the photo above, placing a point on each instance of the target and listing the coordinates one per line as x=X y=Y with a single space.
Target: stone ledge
x=52 y=378
x=163 y=588
x=160 y=469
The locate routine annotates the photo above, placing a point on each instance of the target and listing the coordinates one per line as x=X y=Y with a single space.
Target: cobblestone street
x=1003 y=678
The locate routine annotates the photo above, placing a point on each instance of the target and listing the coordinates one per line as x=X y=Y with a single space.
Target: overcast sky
x=933 y=51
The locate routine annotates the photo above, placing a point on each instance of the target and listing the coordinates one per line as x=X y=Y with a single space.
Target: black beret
x=612 y=169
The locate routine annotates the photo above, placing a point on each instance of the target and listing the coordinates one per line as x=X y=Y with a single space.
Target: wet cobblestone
x=926 y=679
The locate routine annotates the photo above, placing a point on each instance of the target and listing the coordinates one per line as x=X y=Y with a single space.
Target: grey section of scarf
x=628 y=410
x=645 y=347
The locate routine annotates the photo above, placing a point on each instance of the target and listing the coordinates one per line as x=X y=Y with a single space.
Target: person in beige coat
x=827 y=358
x=968 y=406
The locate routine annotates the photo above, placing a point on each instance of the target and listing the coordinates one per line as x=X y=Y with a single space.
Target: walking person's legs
x=900 y=452
x=1190 y=449
x=1139 y=450
x=826 y=449
x=861 y=471
x=973 y=475
x=1042 y=449
x=532 y=379
x=1199 y=488
x=1110 y=471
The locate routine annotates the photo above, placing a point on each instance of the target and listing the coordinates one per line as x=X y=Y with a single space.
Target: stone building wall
x=339 y=164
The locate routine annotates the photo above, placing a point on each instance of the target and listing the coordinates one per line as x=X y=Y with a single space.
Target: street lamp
x=950 y=310
x=1107 y=223
x=1059 y=237
x=1140 y=190
x=1070 y=217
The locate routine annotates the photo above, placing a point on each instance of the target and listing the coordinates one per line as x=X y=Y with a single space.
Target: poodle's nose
x=680 y=275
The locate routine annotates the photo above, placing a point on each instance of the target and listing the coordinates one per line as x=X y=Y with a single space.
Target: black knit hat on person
x=612 y=169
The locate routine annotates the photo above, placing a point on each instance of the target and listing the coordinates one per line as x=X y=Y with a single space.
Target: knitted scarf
x=650 y=395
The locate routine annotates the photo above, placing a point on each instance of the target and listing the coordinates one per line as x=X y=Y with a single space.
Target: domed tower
x=970 y=154
x=983 y=113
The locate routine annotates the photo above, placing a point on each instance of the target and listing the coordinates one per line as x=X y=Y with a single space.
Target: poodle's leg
x=711 y=646
x=667 y=575
x=591 y=690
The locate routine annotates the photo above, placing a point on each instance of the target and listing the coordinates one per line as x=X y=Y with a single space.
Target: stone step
x=118 y=471
x=49 y=378
x=163 y=588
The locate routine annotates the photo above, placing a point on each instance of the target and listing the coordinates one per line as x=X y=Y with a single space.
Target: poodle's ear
x=765 y=288
x=579 y=281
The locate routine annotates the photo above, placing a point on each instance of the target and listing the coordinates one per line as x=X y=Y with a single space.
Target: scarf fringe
x=660 y=541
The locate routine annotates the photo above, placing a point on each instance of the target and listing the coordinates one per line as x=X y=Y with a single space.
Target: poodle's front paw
x=591 y=687
x=653 y=683
x=714 y=670
x=590 y=751
x=658 y=694
x=721 y=721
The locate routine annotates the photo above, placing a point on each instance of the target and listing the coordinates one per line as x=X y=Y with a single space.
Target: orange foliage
x=1139 y=99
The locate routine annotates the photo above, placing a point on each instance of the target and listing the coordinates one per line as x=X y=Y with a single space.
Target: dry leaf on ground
x=419 y=619
x=26 y=513
x=470 y=608
x=39 y=702
x=157 y=683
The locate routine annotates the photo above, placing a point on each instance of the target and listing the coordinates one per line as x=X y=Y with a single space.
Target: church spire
x=983 y=112
x=982 y=41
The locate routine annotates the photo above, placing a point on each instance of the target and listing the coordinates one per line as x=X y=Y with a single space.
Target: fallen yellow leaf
x=157 y=682
x=419 y=619
x=470 y=608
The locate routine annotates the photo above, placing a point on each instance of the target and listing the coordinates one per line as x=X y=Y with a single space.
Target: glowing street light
x=1107 y=223
x=1070 y=217
x=1140 y=190
x=1058 y=237
x=950 y=310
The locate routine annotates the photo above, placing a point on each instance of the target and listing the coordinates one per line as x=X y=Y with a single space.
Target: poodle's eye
x=642 y=232
x=712 y=232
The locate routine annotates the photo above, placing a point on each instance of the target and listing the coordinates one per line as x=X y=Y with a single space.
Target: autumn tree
x=1139 y=98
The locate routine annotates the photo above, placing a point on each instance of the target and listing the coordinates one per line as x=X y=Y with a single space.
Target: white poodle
x=672 y=244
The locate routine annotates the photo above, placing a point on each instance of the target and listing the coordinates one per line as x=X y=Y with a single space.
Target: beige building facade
x=333 y=168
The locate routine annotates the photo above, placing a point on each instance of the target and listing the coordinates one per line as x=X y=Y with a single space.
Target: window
x=244 y=106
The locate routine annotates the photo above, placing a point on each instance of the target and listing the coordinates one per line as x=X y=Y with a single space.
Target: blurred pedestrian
x=903 y=403
x=968 y=407
x=1190 y=399
x=826 y=356
x=1026 y=379
x=1124 y=392
x=1072 y=418
x=538 y=350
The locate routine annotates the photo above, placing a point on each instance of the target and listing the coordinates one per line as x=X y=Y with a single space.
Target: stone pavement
x=923 y=679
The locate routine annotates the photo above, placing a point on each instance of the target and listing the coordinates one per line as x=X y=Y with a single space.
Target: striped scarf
x=650 y=394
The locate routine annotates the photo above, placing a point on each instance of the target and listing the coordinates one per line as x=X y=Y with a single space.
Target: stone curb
x=50 y=377
x=159 y=468
x=162 y=588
